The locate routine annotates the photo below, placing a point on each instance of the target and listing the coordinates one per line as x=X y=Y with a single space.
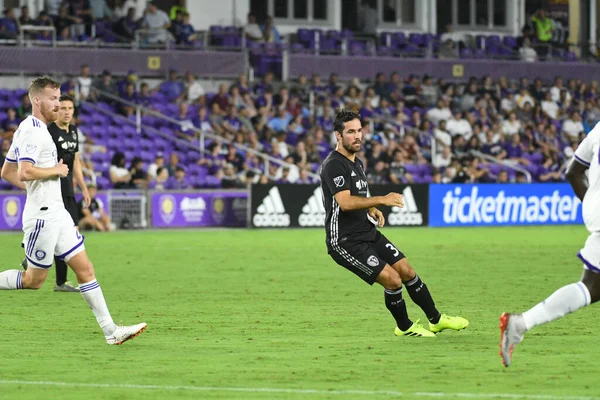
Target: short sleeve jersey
x=32 y=143
x=588 y=154
x=338 y=173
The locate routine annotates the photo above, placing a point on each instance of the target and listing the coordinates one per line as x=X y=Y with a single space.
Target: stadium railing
x=203 y=136
x=504 y=163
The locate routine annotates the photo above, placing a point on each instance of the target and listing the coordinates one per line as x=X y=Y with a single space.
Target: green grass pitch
x=254 y=314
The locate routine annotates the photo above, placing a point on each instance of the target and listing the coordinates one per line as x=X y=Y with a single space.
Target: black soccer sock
x=61 y=271
x=419 y=293
x=395 y=303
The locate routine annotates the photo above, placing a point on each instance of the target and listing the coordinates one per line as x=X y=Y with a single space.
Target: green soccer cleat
x=446 y=322
x=415 y=330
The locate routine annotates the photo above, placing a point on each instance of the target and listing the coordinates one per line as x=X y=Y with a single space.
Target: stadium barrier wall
x=297 y=206
x=301 y=206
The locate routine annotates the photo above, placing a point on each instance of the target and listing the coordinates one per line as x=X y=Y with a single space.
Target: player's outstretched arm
x=29 y=172
x=576 y=177
x=10 y=173
x=348 y=202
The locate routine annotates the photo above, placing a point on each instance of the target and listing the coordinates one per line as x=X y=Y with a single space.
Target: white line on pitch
x=514 y=396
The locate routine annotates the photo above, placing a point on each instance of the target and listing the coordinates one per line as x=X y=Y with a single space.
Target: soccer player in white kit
x=48 y=227
x=577 y=295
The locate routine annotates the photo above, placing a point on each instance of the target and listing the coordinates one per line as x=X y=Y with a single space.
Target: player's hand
x=377 y=216
x=87 y=200
x=61 y=169
x=393 y=200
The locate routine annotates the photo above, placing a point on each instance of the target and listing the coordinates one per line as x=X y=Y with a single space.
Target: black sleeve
x=76 y=139
x=335 y=177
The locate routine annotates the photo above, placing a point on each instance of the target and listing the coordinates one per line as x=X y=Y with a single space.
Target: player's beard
x=49 y=113
x=352 y=147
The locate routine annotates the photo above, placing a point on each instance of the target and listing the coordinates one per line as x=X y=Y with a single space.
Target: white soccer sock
x=92 y=294
x=560 y=303
x=11 y=279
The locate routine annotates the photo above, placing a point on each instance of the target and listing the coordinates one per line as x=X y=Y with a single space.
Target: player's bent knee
x=389 y=278
x=404 y=269
x=592 y=281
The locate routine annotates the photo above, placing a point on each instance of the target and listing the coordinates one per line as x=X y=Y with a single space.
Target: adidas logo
x=313 y=213
x=271 y=212
x=409 y=215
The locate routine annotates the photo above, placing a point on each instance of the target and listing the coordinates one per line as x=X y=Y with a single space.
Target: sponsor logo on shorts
x=40 y=255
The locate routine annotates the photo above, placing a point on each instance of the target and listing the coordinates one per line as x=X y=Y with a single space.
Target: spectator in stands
x=591 y=113
x=477 y=171
x=159 y=181
x=10 y=124
x=514 y=151
x=368 y=19
x=459 y=126
x=544 y=26
x=178 y=181
x=9 y=26
x=429 y=92
x=52 y=7
x=122 y=7
x=443 y=159
x=177 y=8
x=231 y=179
x=551 y=170
x=173 y=89
x=131 y=96
x=185 y=32
x=185 y=128
x=44 y=20
x=139 y=178
x=120 y=177
x=143 y=97
x=85 y=82
x=82 y=11
x=194 y=90
x=572 y=127
x=550 y=107
x=252 y=30
x=270 y=33
x=25 y=18
x=527 y=53
x=126 y=25
x=173 y=163
x=159 y=162
x=106 y=84
x=94 y=217
x=100 y=11
x=158 y=22
x=222 y=98
x=24 y=109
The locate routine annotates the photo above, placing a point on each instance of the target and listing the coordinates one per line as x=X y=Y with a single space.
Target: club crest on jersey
x=30 y=148
x=373 y=261
x=40 y=254
x=338 y=181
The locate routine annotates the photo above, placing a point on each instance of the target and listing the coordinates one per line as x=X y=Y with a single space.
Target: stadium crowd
x=416 y=129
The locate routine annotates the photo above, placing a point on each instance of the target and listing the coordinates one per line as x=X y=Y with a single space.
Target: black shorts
x=366 y=259
x=73 y=208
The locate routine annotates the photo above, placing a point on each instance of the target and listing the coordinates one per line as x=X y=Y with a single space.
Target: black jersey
x=338 y=173
x=67 y=145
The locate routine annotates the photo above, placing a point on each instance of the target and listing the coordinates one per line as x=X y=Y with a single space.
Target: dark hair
x=159 y=170
x=117 y=158
x=66 y=97
x=41 y=83
x=342 y=117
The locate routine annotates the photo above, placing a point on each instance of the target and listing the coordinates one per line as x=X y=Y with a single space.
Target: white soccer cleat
x=124 y=333
x=511 y=334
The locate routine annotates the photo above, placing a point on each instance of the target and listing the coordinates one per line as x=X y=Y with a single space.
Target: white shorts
x=45 y=239
x=590 y=254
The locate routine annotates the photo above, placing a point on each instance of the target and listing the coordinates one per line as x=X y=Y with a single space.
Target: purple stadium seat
x=510 y=42
x=466 y=53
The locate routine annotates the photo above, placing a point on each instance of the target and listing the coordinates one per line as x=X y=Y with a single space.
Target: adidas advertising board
x=301 y=206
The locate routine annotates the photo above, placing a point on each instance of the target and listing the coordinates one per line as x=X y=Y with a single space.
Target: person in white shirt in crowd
x=158 y=21
x=459 y=126
x=252 y=30
x=441 y=112
x=194 y=89
x=572 y=127
x=85 y=83
x=524 y=97
x=550 y=107
x=441 y=135
x=159 y=162
x=442 y=159
x=512 y=126
x=527 y=53
x=508 y=103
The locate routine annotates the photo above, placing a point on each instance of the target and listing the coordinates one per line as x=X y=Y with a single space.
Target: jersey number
x=393 y=249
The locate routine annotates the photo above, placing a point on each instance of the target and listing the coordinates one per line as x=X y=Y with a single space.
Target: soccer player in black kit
x=354 y=242
x=66 y=140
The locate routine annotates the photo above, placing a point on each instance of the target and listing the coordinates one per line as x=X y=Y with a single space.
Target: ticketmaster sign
x=496 y=204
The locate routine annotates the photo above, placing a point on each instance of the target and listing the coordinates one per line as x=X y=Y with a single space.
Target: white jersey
x=33 y=143
x=588 y=154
